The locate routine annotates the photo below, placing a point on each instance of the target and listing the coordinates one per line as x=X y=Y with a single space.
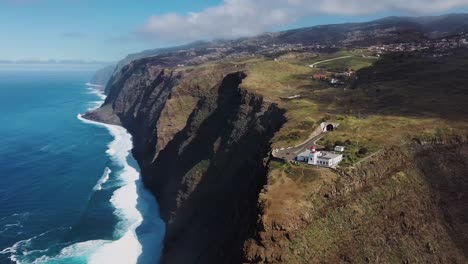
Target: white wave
x=104 y=178
x=22 y=246
x=99 y=93
x=77 y=251
x=125 y=200
x=44 y=148
x=94 y=85
x=11 y=224
x=133 y=204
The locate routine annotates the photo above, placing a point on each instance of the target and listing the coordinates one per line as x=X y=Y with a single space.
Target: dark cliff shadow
x=188 y=148
x=212 y=211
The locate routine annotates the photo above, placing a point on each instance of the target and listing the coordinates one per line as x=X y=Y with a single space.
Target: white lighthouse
x=313 y=156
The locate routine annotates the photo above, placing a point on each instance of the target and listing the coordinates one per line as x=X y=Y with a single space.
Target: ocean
x=70 y=190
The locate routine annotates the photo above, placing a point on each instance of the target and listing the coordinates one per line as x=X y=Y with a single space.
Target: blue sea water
x=70 y=191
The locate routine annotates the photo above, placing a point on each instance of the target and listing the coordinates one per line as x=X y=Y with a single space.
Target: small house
x=339 y=148
x=320 y=76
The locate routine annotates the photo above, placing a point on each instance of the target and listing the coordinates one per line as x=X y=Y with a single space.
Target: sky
x=108 y=30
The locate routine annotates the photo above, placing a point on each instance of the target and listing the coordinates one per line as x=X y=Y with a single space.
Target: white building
x=339 y=149
x=320 y=158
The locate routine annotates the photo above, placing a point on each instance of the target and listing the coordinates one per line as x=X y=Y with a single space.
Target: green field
x=353 y=63
x=385 y=109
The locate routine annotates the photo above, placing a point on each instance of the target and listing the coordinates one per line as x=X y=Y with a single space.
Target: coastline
x=139 y=224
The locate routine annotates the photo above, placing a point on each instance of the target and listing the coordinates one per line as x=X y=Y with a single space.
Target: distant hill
x=154 y=52
x=437 y=26
x=102 y=76
x=387 y=30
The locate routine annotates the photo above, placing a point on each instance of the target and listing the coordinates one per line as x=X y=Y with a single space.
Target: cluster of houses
x=436 y=46
x=334 y=79
x=321 y=158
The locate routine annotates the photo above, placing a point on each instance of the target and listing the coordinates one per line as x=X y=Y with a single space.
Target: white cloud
x=236 y=18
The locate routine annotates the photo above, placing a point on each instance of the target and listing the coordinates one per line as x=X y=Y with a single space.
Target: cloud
x=237 y=18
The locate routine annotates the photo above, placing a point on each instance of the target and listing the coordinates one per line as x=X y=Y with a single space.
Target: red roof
x=320 y=76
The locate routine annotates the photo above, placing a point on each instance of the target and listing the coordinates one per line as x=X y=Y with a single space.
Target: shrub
x=325 y=119
x=293 y=135
x=328 y=145
x=362 y=151
x=307 y=124
x=339 y=143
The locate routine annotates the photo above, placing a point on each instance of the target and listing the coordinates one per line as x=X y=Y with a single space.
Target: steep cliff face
x=217 y=167
x=208 y=172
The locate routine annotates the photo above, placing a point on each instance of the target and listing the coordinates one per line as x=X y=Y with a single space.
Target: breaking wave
x=105 y=177
x=134 y=206
x=139 y=232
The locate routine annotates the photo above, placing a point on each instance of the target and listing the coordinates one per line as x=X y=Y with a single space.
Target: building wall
x=316 y=160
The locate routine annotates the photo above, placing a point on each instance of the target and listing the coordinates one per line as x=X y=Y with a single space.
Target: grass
x=388 y=219
x=276 y=79
x=327 y=56
x=289 y=77
x=302 y=173
x=384 y=223
x=352 y=153
x=353 y=63
x=396 y=99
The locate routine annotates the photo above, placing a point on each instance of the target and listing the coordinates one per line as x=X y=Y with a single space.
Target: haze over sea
x=70 y=191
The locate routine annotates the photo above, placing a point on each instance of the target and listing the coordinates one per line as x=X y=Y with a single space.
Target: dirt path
x=368 y=157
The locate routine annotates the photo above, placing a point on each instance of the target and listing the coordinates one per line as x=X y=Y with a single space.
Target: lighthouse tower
x=313 y=156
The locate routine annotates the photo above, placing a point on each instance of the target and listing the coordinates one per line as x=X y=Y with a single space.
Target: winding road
x=339 y=58
x=292 y=152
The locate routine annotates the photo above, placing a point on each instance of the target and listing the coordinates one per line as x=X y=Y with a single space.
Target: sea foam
x=139 y=233
x=134 y=206
x=104 y=178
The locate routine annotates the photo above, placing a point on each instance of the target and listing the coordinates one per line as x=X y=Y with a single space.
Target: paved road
x=339 y=58
x=292 y=152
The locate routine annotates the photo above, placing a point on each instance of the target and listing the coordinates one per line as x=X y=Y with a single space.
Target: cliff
x=102 y=76
x=207 y=164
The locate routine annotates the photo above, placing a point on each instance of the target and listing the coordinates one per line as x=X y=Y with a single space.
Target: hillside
x=405 y=204
x=204 y=122
x=386 y=30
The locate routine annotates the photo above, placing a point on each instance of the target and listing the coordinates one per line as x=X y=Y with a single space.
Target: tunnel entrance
x=330 y=127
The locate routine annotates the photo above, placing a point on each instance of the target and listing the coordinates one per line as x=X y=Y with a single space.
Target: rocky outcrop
x=208 y=173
